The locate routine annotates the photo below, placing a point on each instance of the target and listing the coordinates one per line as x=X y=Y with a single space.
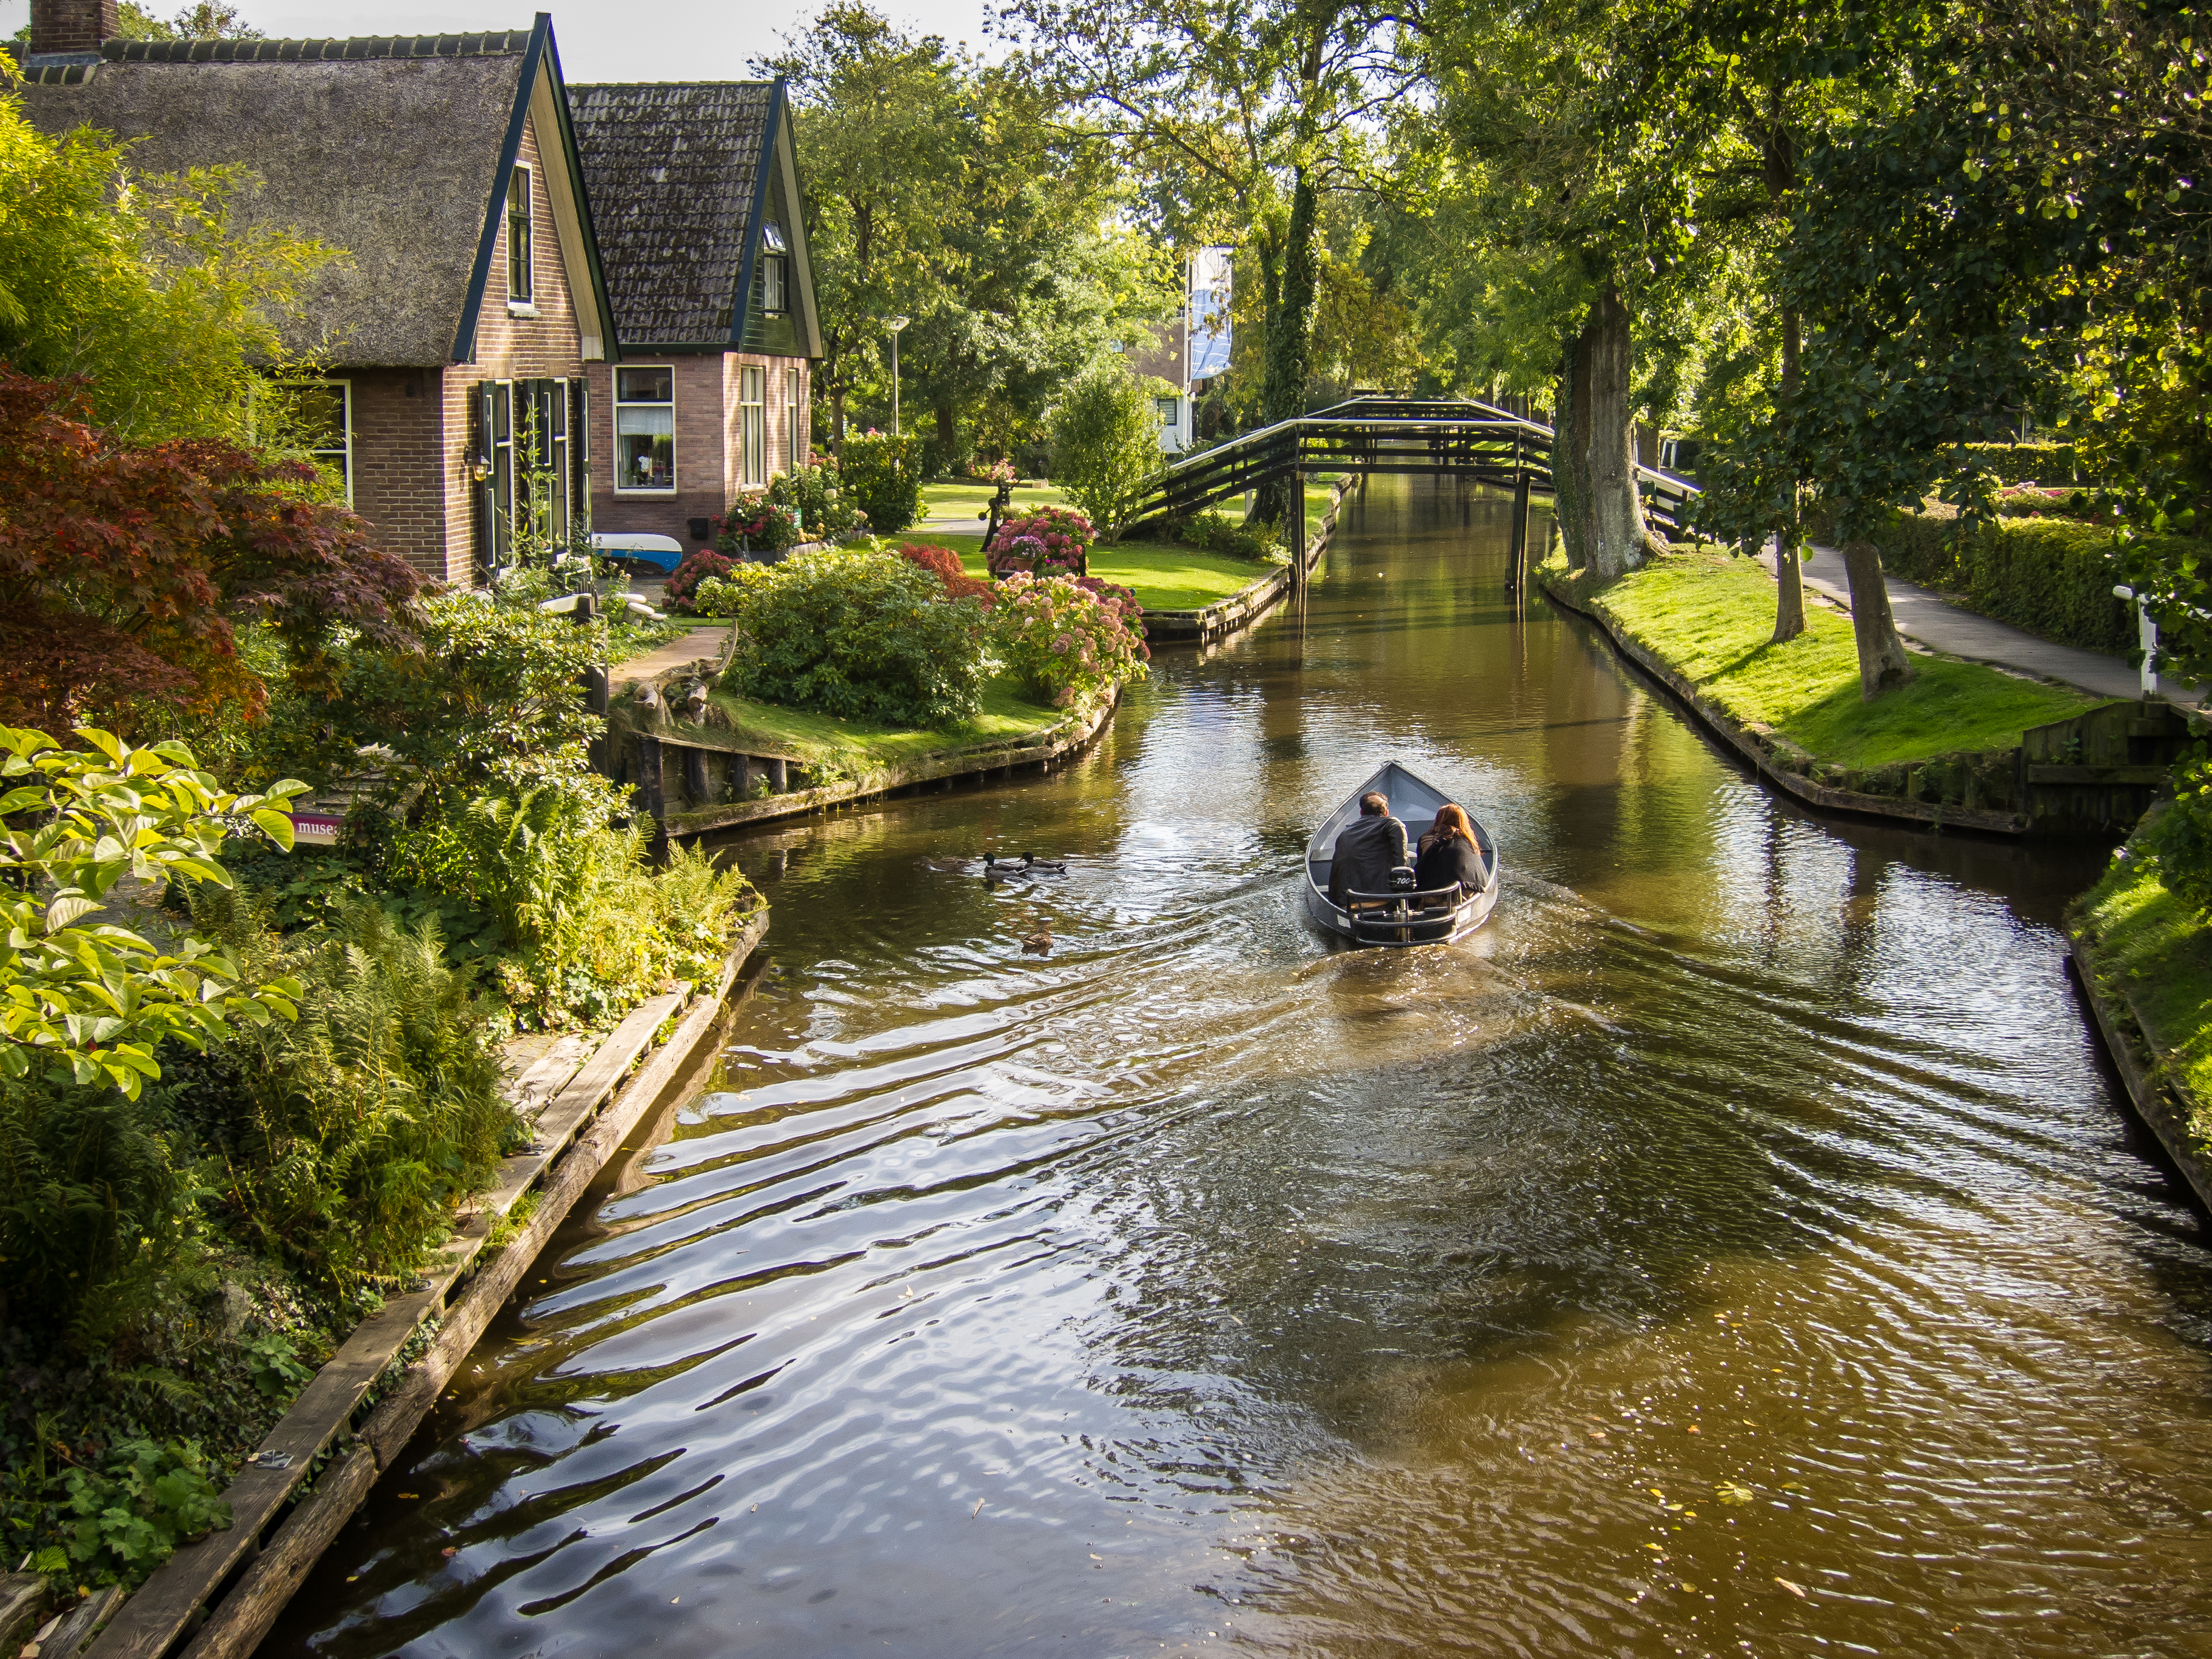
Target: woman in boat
x=1449 y=853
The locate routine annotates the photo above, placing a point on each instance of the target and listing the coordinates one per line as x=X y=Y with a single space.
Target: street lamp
x=895 y=323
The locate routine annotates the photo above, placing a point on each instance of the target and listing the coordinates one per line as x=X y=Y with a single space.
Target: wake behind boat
x=1403 y=915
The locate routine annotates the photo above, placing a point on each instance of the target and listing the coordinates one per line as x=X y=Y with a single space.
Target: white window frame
x=794 y=422
x=752 y=426
x=618 y=403
x=527 y=301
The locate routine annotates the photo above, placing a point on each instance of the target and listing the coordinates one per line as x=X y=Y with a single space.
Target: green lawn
x=1164 y=578
x=968 y=501
x=1006 y=716
x=2156 y=950
x=1710 y=615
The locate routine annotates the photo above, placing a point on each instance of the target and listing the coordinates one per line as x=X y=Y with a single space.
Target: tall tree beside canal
x=1558 y=199
x=1241 y=121
x=1725 y=97
x=946 y=190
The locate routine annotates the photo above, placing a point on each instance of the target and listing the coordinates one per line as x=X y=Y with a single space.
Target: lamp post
x=896 y=325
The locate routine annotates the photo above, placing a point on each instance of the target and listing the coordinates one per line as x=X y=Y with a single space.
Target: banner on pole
x=1209 y=314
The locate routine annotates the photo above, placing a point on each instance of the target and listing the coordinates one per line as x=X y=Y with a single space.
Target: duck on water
x=1403 y=913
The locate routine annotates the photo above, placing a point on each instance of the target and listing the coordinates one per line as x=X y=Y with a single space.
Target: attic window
x=774 y=265
x=518 y=289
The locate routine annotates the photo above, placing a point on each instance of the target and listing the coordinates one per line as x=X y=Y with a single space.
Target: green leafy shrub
x=88 y=1002
x=1066 y=642
x=884 y=475
x=1211 y=533
x=1106 y=440
x=819 y=495
x=866 y=635
x=493 y=699
x=131 y=1515
x=2182 y=837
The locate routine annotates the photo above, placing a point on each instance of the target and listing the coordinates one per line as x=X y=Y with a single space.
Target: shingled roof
x=674 y=172
x=390 y=149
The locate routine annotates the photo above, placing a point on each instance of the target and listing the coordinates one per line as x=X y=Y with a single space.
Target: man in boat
x=1367 y=852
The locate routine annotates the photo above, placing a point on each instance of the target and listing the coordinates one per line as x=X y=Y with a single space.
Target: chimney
x=72 y=25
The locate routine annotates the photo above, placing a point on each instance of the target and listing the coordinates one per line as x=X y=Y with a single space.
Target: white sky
x=600 y=39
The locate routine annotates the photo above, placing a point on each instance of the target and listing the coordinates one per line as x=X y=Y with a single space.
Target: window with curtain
x=645 y=430
x=752 y=426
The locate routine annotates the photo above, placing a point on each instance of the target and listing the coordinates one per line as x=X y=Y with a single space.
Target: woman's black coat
x=1443 y=862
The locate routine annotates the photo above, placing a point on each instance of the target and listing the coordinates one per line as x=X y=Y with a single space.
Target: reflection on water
x=1735 y=1248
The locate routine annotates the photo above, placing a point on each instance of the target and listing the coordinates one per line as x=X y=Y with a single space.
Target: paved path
x=697 y=643
x=1925 y=618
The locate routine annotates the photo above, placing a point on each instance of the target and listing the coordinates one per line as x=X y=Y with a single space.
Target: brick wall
x=708 y=433
x=398 y=438
x=509 y=346
x=701 y=489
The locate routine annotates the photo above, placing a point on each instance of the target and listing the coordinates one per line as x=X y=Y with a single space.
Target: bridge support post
x=1297 y=528
x=1517 y=564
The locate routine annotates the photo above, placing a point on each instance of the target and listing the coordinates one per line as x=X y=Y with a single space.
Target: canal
x=1736 y=1247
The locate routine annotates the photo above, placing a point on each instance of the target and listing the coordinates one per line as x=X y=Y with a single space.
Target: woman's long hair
x=1452 y=820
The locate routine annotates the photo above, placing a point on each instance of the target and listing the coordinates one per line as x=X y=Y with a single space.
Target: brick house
x=454 y=339
x=695 y=198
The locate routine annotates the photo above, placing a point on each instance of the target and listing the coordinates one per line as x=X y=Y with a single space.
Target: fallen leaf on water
x=1791 y=1486
x=1693 y=1428
x=448 y=1551
x=408 y=1496
x=1692 y=1588
x=1732 y=1492
x=1797 y=1590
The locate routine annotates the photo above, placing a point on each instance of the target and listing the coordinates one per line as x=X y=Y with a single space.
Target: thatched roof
x=390 y=149
x=674 y=173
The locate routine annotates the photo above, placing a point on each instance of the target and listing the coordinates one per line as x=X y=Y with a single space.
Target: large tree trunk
x=1289 y=344
x=1882 y=659
x=1616 y=508
x=947 y=435
x=1789 y=566
x=1571 y=491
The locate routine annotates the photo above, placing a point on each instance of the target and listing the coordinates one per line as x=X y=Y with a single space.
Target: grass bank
x=1162 y=577
x=968 y=501
x=1710 y=617
x=859 y=745
x=2151 y=951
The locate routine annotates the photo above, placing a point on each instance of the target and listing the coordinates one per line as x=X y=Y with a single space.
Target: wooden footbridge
x=1444 y=437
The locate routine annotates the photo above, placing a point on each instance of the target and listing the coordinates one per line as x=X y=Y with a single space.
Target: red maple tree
x=125 y=569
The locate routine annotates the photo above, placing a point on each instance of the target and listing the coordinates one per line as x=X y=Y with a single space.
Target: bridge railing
x=1456 y=437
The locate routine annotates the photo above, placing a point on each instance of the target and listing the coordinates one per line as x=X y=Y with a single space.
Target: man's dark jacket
x=1366 y=854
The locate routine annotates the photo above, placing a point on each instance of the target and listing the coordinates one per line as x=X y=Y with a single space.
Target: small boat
x=1409 y=916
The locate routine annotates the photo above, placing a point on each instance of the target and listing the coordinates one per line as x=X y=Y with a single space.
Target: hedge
x=2046 y=463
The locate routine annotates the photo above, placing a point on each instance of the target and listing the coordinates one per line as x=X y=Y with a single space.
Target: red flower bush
x=126 y=568
x=683 y=586
x=943 y=563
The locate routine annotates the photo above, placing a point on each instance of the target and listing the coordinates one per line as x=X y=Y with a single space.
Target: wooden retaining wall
x=217 y=1598
x=1248 y=604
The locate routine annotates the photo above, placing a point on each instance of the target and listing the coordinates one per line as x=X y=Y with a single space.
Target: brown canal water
x=1736 y=1249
